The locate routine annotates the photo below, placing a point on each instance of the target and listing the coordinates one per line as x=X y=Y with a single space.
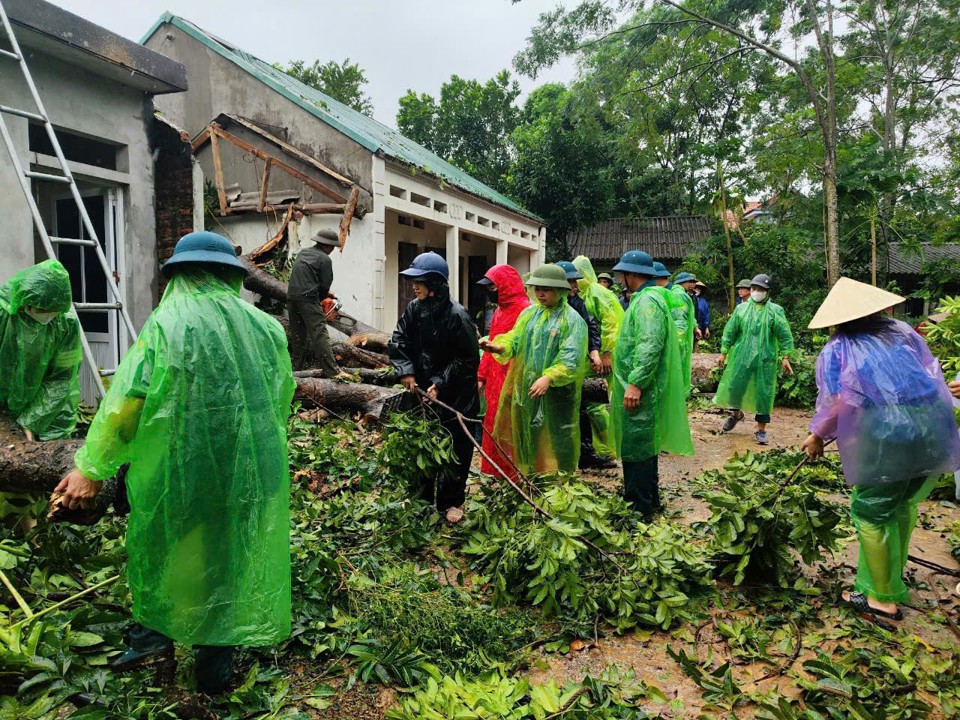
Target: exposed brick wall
x=173 y=187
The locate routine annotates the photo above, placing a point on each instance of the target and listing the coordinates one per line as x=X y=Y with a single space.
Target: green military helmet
x=550 y=276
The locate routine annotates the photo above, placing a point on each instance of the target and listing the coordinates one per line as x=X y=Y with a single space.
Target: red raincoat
x=511 y=301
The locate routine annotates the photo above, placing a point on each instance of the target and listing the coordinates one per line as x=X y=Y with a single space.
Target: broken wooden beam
x=348 y=212
x=264 y=184
x=218 y=173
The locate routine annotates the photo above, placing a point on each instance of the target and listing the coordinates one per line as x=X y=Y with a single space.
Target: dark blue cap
x=684 y=277
x=661 y=269
x=203 y=247
x=636 y=261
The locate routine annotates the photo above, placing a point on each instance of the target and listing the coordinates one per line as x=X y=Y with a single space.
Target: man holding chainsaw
x=309 y=303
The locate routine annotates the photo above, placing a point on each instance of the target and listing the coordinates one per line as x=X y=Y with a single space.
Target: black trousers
x=641 y=485
x=449 y=488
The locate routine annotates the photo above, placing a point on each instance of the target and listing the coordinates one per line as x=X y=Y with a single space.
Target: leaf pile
x=612 y=696
x=589 y=558
x=759 y=519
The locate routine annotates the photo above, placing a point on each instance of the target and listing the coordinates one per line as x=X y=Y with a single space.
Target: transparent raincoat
x=199 y=409
x=511 y=301
x=883 y=397
x=543 y=434
x=684 y=317
x=755 y=339
x=39 y=384
x=648 y=356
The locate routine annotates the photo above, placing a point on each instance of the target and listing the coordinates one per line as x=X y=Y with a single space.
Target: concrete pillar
x=503 y=247
x=453 y=261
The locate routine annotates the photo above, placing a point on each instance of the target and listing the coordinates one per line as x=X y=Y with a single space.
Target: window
x=75 y=147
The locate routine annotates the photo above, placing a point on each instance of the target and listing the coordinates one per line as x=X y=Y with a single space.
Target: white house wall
x=86 y=104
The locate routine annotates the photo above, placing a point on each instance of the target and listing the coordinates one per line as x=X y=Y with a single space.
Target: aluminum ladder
x=66 y=178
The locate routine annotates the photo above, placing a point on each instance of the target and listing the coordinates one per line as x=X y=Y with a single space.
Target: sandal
x=858 y=601
x=732 y=421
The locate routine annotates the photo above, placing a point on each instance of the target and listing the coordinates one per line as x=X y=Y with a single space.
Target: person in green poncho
x=537 y=422
x=683 y=314
x=199 y=409
x=40 y=352
x=756 y=340
x=648 y=410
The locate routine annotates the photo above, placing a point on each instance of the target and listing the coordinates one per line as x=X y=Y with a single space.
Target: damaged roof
x=44 y=27
x=371 y=134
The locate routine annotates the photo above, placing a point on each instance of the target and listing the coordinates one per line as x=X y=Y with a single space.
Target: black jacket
x=436 y=342
x=593 y=328
x=312 y=275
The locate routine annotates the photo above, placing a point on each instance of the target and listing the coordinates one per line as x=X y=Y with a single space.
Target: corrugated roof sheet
x=663 y=237
x=904 y=262
x=371 y=134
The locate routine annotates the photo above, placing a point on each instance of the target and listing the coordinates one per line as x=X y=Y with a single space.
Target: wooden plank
x=305 y=179
x=306 y=209
x=264 y=184
x=218 y=172
x=201 y=139
x=348 y=212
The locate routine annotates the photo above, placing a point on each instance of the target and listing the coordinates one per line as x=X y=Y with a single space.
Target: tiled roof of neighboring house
x=366 y=131
x=662 y=237
x=905 y=262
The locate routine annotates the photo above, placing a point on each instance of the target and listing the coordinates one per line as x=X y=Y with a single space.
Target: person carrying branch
x=434 y=348
x=538 y=419
x=199 y=408
x=883 y=398
x=310 y=281
x=648 y=407
x=506 y=285
x=757 y=341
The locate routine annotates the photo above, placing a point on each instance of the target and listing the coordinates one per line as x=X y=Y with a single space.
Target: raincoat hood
x=601 y=303
x=45 y=286
x=585 y=267
x=509 y=284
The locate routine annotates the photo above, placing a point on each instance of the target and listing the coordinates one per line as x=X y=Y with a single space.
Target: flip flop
x=858 y=601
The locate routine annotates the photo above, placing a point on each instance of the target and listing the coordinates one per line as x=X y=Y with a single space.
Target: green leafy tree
x=343 y=81
x=469 y=125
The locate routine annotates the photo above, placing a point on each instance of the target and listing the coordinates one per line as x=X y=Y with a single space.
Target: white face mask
x=41 y=316
x=758 y=295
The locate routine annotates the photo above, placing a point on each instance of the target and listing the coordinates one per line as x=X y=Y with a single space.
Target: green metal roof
x=373 y=135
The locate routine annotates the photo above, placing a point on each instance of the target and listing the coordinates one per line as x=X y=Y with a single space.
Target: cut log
x=594 y=391
x=345 y=398
x=373 y=341
x=262 y=282
x=32 y=466
x=350 y=356
x=385 y=377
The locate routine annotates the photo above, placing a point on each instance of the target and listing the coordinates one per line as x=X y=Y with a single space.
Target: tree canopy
x=343 y=81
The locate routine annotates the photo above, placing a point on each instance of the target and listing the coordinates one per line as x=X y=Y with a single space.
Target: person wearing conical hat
x=756 y=340
x=537 y=422
x=883 y=398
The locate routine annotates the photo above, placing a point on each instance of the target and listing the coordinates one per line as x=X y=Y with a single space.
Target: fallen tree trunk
x=350 y=356
x=344 y=398
x=384 y=377
x=373 y=341
x=32 y=466
x=701 y=367
x=262 y=282
x=594 y=391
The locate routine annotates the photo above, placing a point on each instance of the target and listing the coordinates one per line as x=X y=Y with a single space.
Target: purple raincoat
x=884 y=399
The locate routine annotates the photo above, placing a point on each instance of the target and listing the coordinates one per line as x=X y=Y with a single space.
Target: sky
x=400 y=44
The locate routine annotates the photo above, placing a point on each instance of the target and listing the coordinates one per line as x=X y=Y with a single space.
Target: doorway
x=102 y=328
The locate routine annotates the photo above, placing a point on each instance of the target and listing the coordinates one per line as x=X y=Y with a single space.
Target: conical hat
x=849 y=300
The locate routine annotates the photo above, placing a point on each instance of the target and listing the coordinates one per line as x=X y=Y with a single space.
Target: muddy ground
x=644 y=652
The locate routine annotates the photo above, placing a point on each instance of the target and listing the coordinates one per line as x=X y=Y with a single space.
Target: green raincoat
x=684 y=317
x=199 y=409
x=648 y=356
x=601 y=303
x=755 y=339
x=543 y=434
x=604 y=306
x=39 y=384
